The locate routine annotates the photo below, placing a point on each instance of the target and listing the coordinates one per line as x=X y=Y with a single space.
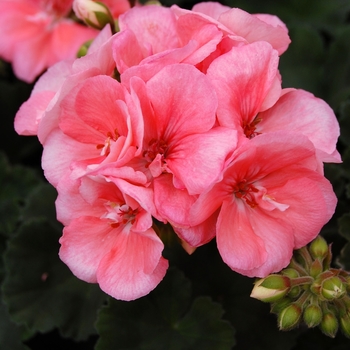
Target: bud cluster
x=309 y=291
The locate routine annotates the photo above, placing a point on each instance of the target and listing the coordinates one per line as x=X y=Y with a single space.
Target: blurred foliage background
x=201 y=304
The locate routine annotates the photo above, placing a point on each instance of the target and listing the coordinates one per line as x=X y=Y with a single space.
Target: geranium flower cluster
x=181 y=118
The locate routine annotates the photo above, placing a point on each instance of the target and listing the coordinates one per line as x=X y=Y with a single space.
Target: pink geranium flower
x=252 y=102
x=39 y=114
x=272 y=200
x=109 y=237
x=98 y=124
x=36 y=34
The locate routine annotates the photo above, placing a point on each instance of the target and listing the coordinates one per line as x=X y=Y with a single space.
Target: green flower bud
x=345 y=325
x=271 y=288
x=289 y=317
x=278 y=306
x=316 y=268
x=318 y=248
x=333 y=288
x=84 y=49
x=329 y=324
x=312 y=315
x=294 y=292
x=292 y=273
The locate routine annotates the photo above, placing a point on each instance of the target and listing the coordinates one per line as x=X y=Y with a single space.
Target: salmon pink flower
x=98 y=124
x=179 y=135
x=57 y=81
x=252 y=102
x=36 y=34
x=271 y=199
x=109 y=237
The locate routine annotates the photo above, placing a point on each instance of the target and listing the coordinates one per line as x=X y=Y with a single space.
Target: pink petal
x=300 y=111
x=133 y=266
x=254 y=29
x=198 y=160
x=243 y=90
x=172 y=92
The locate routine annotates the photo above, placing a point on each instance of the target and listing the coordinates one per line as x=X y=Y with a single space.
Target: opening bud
x=271 y=288
x=289 y=317
x=95 y=14
x=333 y=288
x=312 y=315
x=318 y=248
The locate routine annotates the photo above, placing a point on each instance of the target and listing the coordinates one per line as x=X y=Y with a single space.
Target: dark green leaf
x=344 y=226
x=39 y=289
x=150 y=323
x=16 y=183
x=10 y=335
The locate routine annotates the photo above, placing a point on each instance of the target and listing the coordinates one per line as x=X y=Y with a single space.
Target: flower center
x=120 y=214
x=155 y=147
x=106 y=147
x=244 y=190
x=249 y=129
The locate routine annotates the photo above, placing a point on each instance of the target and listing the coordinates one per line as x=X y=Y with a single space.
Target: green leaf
x=16 y=183
x=338 y=68
x=10 y=334
x=344 y=226
x=162 y=320
x=40 y=203
x=39 y=289
x=302 y=64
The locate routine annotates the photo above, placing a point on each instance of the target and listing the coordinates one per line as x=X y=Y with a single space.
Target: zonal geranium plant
x=175 y=122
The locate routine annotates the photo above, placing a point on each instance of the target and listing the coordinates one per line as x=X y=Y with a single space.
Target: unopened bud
x=329 y=324
x=318 y=248
x=83 y=50
x=290 y=272
x=95 y=14
x=278 y=306
x=333 y=288
x=312 y=315
x=289 y=317
x=271 y=288
x=316 y=268
x=345 y=325
x=294 y=292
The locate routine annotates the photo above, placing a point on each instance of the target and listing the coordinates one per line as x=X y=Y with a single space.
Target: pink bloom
x=252 y=102
x=98 y=124
x=271 y=199
x=56 y=82
x=109 y=239
x=251 y=27
x=36 y=34
x=179 y=135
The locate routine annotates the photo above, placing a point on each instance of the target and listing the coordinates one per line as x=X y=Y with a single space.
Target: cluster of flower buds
x=309 y=291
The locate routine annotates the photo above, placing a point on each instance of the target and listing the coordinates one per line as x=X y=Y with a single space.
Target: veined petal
x=242 y=91
x=133 y=266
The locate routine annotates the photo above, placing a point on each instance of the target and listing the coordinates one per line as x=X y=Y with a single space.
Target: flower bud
x=84 y=49
x=290 y=272
x=329 y=324
x=94 y=14
x=316 y=268
x=312 y=315
x=289 y=317
x=271 y=288
x=345 y=325
x=294 y=292
x=318 y=248
x=278 y=306
x=333 y=288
